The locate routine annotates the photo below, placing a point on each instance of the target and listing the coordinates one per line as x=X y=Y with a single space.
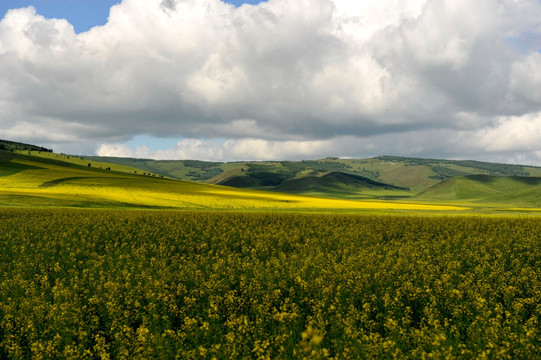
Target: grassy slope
x=233 y=172
x=298 y=177
x=340 y=185
x=191 y=170
x=83 y=161
x=415 y=174
x=520 y=191
x=39 y=181
x=7 y=145
x=414 y=177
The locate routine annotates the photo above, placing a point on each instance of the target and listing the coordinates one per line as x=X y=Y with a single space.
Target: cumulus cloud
x=283 y=79
x=236 y=149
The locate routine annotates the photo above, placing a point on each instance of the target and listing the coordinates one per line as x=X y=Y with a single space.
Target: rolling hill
x=340 y=184
x=12 y=146
x=383 y=177
x=414 y=174
x=516 y=190
x=334 y=184
x=27 y=180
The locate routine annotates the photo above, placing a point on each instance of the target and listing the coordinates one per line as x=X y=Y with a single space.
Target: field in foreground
x=165 y=284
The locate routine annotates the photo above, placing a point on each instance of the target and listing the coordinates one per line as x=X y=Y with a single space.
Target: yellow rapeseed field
x=163 y=284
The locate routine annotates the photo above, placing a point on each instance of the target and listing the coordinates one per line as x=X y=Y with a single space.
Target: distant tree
x=89 y=164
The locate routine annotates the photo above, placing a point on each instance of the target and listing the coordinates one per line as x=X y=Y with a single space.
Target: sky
x=274 y=80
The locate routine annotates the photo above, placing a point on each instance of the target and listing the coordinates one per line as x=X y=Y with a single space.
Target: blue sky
x=82 y=14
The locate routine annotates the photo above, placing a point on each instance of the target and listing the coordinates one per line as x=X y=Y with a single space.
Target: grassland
x=120 y=284
x=191 y=170
x=81 y=161
x=485 y=189
x=33 y=178
x=413 y=173
x=48 y=180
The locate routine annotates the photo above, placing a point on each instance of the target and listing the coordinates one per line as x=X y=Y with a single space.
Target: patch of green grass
x=340 y=185
x=10 y=168
x=521 y=191
x=67 y=160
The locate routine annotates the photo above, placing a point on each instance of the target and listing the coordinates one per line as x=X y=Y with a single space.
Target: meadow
x=63 y=181
x=116 y=284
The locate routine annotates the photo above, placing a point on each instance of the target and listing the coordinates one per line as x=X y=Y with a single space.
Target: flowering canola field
x=99 y=284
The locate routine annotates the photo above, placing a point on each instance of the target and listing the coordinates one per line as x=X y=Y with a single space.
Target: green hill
x=27 y=180
x=11 y=146
x=413 y=173
x=339 y=184
x=383 y=177
x=520 y=191
x=191 y=170
x=86 y=162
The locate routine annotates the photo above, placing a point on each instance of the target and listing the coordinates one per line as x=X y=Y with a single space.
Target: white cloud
x=284 y=79
x=240 y=149
x=115 y=150
x=511 y=134
x=525 y=81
